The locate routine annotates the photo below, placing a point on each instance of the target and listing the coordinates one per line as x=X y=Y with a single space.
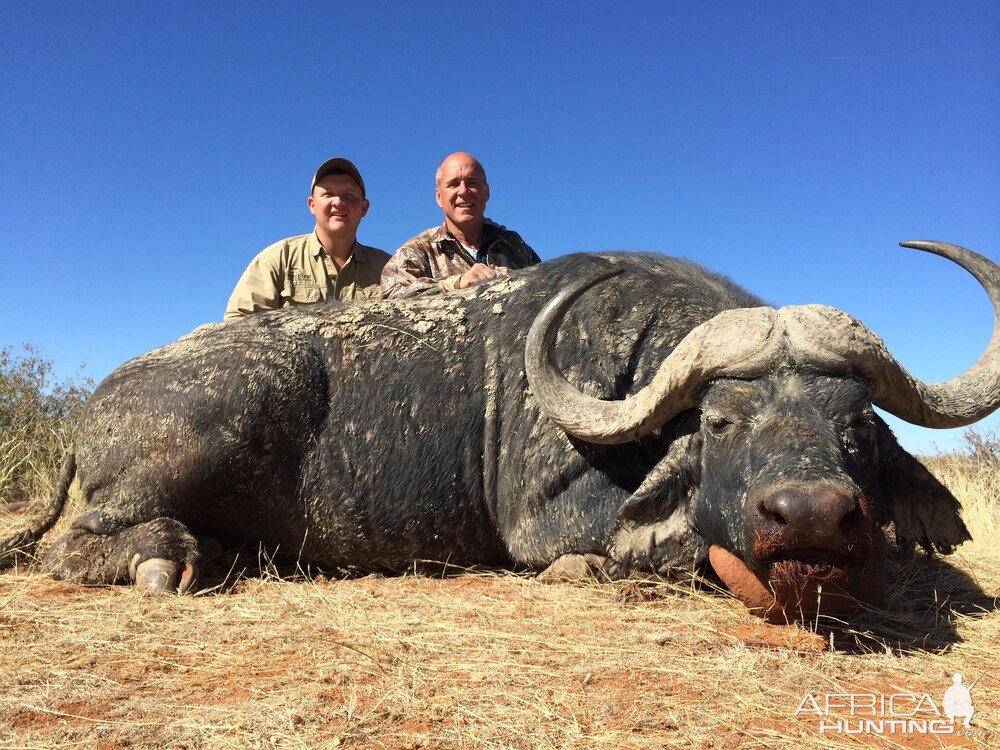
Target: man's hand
x=479 y=272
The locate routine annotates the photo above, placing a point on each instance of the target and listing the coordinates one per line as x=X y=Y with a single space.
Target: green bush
x=37 y=416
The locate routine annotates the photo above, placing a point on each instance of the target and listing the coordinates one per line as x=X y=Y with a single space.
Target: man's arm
x=258 y=289
x=407 y=274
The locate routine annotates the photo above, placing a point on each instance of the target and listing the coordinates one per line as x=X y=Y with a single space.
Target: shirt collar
x=316 y=247
x=491 y=230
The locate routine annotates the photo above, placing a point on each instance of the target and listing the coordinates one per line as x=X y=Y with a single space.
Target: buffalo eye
x=850 y=441
x=718 y=425
x=850 y=433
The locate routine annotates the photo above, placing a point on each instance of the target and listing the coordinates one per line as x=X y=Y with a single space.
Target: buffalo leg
x=160 y=555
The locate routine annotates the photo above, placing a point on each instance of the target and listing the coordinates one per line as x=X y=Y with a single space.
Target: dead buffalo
x=631 y=408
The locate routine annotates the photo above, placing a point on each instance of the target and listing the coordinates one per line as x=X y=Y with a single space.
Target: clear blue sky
x=150 y=150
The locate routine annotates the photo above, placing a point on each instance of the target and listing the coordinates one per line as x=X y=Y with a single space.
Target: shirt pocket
x=300 y=294
x=354 y=291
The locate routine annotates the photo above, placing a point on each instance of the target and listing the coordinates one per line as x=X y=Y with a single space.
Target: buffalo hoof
x=571 y=568
x=159 y=575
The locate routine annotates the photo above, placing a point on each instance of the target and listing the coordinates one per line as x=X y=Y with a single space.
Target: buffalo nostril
x=772 y=512
x=784 y=508
x=850 y=519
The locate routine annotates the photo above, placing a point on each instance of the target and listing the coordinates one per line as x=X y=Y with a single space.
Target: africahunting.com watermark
x=899 y=713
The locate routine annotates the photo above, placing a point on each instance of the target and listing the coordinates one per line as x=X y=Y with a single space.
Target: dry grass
x=486 y=661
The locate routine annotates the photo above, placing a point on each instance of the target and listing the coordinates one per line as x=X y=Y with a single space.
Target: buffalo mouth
x=800 y=585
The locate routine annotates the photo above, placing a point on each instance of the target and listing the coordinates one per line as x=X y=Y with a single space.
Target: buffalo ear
x=655 y=529
x=922 y=509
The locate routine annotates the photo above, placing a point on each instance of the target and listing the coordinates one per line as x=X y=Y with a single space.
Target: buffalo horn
x=826 y=335
x=751 y=342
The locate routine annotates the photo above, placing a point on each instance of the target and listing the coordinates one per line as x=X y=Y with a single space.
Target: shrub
x=37 y=416
x=982 y=445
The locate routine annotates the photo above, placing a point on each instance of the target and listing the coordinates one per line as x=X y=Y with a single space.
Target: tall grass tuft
x=37 y=415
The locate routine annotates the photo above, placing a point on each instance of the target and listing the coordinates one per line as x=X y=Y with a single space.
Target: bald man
x=466 y=249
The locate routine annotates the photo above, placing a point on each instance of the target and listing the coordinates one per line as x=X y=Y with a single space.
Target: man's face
x=338 y=205
x=462 y=191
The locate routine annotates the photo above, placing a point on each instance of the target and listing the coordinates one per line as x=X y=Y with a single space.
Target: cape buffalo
x=633 y=409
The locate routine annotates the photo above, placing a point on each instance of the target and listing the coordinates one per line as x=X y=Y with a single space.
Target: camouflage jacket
x=432 y=261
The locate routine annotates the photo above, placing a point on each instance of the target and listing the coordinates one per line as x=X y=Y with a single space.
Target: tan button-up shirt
x=299 y=271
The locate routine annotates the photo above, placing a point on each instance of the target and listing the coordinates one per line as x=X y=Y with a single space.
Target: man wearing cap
x=328 y=263
x=466 y=249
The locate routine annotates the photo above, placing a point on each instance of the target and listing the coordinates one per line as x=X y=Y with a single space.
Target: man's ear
x=922 y=509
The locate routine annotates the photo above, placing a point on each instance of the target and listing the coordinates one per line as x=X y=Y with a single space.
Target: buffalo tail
x=24 y=542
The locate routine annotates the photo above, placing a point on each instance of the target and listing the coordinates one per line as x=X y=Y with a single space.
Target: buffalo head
x=779 y=468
